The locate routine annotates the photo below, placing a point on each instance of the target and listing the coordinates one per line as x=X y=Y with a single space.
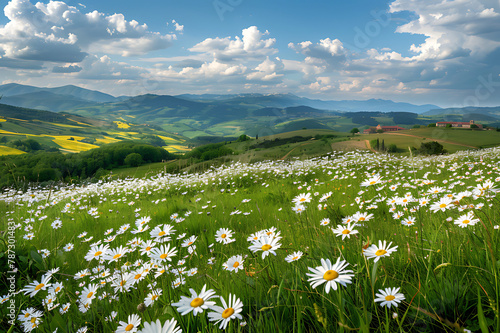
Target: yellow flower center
x=40 y=286
x=373 y=182
x=266 y=247
x=129 y=327
x=148 y=248
x=190 y=243
x=380 y=252
x=162 y=233
x=122 y=283
x=236 y=264
x=442 y=205
x=164 y=255
x=302 y=199
x=223 y=236
x=154 y=297
x=330 y=275
x=116 y=256
x=389 y=298
x=361 y=218
x=227 y=313
x=138 y=276
x=346 y=231
x=295 y=258
x=98 y=253
x=57 y=289
x=465 y=221
x=33 y=320
x=197 y=302
x=26 y=315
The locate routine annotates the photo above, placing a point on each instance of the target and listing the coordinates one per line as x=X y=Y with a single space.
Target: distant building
x=458 y=124
x=372 y=130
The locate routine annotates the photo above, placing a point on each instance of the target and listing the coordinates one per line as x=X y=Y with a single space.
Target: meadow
x=344 y=242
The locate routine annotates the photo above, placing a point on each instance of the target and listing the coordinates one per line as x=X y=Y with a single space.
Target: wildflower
x=330 y=274
x=97 y=252
x=68 y=247
x=409 y=221
x=156 y=327
x=228 y=311
x=294 y=256
x=224 y=235
x=163 y=253
x=152 y=297
x=377 y=252
x=266 y=245
x=442 y=204
x=131 y=325
x=189 y=241
x=302 y=198
x=116 y=254
x=345 y=231
x=466 y=220
x=34 y=287
x=389 y=296
x=235 y=263
x=325 y=221
x=196 y=303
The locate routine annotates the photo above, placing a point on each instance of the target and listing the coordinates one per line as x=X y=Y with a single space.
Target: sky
x=441 y=52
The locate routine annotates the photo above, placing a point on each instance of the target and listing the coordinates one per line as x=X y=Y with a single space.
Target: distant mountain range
x=70 y=97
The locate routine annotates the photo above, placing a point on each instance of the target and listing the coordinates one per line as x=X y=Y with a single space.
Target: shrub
x=133 y=160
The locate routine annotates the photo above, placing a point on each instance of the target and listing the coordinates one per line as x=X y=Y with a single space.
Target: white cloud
x=178 y=27
x=58 y=32
x=250 y=46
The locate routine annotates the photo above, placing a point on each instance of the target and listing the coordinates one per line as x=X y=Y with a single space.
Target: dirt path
x=438 y=140
x=284 y=157
x=369 y=146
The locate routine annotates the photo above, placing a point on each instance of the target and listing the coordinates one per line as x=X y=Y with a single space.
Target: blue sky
x=414 y=51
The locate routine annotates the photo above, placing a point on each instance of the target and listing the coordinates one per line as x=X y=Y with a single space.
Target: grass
x=447 y=274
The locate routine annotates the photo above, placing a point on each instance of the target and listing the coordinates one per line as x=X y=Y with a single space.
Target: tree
x=133 y=160
x=354 y=131
x=383 y=145
x=256 y=137
x=243 y=138
x=377 y=147
x=380 y=131
x=392 y=148
x=448 y=126
x=416 y=126
x=432 y=125
x=432 y=148
x=474 y=126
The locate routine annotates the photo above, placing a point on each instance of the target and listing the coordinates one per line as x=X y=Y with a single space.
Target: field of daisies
x=347 y=242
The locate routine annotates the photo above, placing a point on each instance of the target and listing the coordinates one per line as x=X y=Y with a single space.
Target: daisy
x=235 y=263
x=409 y=221
x=302 y=198
x=147 y=246
x=122 y=282
x=325 y=196
x=377 y=252
x=325 y=221
x=228 y=311
x=116 y=254
x=162 y=233
x=68 y=247
x=34 y=287
x=331 y=274
x=224 y=235
x=345 y=231
x=178 y=282
x=389 y=296
x=163 y=253
x=131 y=325
x=189 y=241
x=152 y=297
x=266 y=245
x=466 y=220
x=442 y=205
x=97 y=252
x=294 y=256
x=372 y=181
x=362 y=217
x=88 y=293
x=196 y=303
x=64 y=308
x=299 y=208
x=156 y=327
x=56 y=224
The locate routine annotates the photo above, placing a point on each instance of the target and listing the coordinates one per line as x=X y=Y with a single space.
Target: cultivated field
x=347 y=242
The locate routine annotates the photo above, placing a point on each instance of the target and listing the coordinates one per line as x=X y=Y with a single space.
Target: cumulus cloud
x=267 y=70
x=250 y=46
x=66 y=69
x=57 y=32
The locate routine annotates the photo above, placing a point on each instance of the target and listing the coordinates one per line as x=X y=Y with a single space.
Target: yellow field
x=73 y=145
x=65 y=125
x=176 y=148
x=130 y=116
x=80 y=123
x=16 y=119
x=121 y=124
x=106 y=140
x=166 y=138
x=2 y=120
x=10 y=151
